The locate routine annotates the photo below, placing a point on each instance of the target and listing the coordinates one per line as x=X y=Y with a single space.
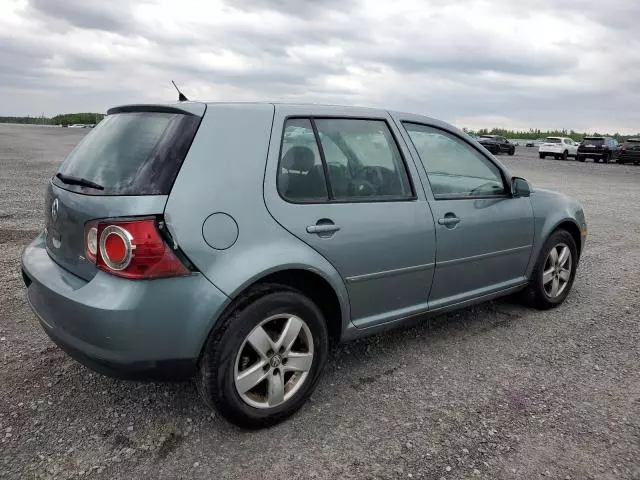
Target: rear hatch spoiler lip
x=195 y=109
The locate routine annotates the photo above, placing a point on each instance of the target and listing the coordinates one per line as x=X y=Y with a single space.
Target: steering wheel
x=372 y=175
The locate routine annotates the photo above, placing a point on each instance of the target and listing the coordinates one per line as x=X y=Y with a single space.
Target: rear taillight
x=131 y=249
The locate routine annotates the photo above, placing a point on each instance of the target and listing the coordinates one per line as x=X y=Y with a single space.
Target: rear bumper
x=629 y=157
x=122 y=328
x=554 y=150
x=592 y=154
x=550 y=150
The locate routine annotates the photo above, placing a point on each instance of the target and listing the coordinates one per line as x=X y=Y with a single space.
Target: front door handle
x=449 y=221
x=323 y=228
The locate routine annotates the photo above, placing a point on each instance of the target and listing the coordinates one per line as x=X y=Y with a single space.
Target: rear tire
x=557 y=157
x=228 y=354
x=512 y=151
x=540 y=292
x=581 y=158
x=542 y=156
x=606 y=158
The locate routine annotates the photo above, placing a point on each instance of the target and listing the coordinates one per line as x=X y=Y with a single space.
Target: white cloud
x=542 y=63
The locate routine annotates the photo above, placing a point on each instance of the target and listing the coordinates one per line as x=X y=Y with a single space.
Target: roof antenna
x=181 y=96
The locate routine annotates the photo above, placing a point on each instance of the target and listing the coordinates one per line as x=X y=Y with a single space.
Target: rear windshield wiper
x=83 y=182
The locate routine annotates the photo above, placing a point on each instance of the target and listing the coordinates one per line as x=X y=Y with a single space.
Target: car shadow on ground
x=374 y=355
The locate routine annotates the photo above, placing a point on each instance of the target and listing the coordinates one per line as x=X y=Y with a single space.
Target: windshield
x=134 y=153
x=553 y=140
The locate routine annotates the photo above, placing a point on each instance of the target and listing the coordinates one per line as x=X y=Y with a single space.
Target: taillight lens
x=91 y=243
x=132 y=249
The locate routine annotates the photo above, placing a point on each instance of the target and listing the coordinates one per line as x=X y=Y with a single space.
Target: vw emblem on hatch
x=54 y=210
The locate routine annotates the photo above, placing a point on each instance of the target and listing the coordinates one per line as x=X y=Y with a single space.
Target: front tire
x=565 y=155
x=554 y=272
x=512 y=151
x=542 y=156
x=581 y=158
x=264 y=357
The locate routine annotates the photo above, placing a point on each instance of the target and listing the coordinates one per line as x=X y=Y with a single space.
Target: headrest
x=299 y=158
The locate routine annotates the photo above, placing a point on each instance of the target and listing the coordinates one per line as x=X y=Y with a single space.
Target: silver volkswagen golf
x=235 y=242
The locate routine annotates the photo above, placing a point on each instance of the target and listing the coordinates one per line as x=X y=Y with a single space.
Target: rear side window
x=341 y=159
x=133 y=153
x=300 y=173
x=363 y=159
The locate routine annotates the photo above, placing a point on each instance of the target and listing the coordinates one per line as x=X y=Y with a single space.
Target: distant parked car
x=599 y=149
x=158 y=259
x=497 y=144
x=78 y=125
x=630 y=151
x=530 y=143
x=558 y=147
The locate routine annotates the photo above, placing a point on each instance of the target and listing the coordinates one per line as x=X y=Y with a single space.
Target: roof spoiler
x=185 y=108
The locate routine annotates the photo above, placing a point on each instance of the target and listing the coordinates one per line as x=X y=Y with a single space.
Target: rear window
x=598 y=142
x=133 y=153
x=552 y=140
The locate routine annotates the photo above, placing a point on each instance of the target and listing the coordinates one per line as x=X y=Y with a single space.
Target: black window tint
x=454 y=168
x=596 y=142
x=135 y=153
x=363 y=159
x=300 y=172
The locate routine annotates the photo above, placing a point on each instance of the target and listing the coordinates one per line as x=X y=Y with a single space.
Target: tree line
x=531 y=134
x=64 y=119
x=534 y=134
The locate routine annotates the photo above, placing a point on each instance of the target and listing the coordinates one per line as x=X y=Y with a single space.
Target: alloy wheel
x=557 y=270
x=274 y=361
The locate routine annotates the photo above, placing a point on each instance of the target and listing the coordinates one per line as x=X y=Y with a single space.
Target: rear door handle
x=323 y=228
x=449 y=221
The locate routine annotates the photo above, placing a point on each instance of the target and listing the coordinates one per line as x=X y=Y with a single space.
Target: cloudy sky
x=517 y=64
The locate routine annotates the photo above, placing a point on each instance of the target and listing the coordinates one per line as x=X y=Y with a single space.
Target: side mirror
x=520 y=187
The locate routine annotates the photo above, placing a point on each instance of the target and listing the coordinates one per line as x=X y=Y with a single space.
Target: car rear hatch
x=632 y=146
x=591 y=145
x=125 y=167
x=555 y=143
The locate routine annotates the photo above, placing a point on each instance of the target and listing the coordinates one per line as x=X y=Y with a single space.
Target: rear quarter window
x=132 y=153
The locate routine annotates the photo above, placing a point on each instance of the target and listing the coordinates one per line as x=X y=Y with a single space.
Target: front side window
x=300 y=172
x=454 y=168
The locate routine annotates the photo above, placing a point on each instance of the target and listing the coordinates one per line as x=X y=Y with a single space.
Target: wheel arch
x=544 y=231
x=572 y=227
x=314 y=286
x=332 y=300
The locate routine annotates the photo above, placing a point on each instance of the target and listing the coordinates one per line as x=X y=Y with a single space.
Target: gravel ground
x=497 y=391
